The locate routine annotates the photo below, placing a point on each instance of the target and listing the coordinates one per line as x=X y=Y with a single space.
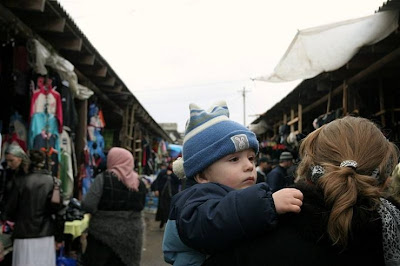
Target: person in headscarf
x=115 y=200
x=16 y=165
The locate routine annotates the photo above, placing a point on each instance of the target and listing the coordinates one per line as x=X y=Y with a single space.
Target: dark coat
x=210 y=217
x=117 y=197
x=276 y=179
x=301 y=239
x=115 y=229
x=167 y=186
x=29 y=205
x=261 y=176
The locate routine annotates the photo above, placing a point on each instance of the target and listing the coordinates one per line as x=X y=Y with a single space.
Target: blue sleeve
x=176 y=252
x=214 y=217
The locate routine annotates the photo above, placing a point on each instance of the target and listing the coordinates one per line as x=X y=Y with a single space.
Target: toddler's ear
x=201 y=178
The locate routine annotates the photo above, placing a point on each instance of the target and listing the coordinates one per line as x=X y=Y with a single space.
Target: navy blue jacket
x=212 y=217
x=276 y=179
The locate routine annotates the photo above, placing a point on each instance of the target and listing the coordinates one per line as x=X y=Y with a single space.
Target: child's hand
x=287 y=200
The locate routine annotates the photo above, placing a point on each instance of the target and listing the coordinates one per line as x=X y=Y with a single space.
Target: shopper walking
x=115 y=200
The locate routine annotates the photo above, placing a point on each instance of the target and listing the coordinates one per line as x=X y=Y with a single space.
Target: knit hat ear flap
x=177 y=168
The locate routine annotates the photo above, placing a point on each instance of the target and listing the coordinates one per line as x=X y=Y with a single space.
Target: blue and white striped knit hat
x=209 y=136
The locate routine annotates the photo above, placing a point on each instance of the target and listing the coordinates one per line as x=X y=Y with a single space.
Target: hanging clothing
x=66 y=165
x=47 y=101
x=66 y=176
x=13 y=138
x=46 y=122
x=70 y=115
x=17 y=126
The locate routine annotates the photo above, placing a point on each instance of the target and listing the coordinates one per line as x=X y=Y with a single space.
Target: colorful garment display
x=47 y=100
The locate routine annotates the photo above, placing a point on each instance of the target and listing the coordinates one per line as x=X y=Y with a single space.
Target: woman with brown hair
x=35 y=231
x=345 y=219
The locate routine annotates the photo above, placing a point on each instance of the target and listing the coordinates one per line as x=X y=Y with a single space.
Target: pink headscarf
x=120 y=162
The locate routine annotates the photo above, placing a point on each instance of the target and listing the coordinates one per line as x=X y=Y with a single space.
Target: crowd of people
x=223 y=202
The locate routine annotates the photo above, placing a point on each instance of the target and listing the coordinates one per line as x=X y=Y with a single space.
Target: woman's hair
x=348 y=138
x=17 y=151
x=37 y=159
x=394 y=188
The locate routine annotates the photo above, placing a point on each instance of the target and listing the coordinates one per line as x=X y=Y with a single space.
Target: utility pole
x=244 y=105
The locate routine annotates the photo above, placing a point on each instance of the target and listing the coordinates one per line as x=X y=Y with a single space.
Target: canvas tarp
x=329 y=47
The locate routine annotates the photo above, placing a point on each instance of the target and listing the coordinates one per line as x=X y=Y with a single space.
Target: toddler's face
x=236 y=170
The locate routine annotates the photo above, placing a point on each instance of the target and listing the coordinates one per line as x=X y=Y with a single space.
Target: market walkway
x=152 y=253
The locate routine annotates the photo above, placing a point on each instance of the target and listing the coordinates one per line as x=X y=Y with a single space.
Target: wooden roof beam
x=71 y=44
x=94 y=71
x=109 y=81
x=51 y=24
x=84 y=59
x=88 y=83
x=362 y=61
x=117 y=88
x=35 y=5
x=100 y=71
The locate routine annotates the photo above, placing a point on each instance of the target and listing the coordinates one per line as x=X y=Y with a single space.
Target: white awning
x=329 y=47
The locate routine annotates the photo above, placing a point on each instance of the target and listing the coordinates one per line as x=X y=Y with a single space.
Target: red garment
x=14 y=138
x=101 y=117
x=49 y=98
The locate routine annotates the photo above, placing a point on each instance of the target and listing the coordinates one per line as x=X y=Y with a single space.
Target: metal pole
x=244 y=106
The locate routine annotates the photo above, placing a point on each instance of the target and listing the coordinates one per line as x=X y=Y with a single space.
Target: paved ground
x=152 y=253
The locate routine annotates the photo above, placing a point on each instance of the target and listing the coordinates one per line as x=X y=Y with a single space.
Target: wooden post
x=137 y=151
x=328 y=107
x=124 y=130
x=382 y=103
x=345 y=88
x=300 y=116
x=80 y=139
x=291 y=119
x=131 y=126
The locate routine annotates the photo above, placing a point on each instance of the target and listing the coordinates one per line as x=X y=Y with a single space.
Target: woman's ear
x=201 y=178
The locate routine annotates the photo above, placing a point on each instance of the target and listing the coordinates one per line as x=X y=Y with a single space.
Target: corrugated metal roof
x=72 y=44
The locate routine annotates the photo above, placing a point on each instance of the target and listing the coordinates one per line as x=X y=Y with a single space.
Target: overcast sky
x=172 y=53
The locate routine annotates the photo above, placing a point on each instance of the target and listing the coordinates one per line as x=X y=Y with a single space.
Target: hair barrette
x=349 y=163
x=316 y=172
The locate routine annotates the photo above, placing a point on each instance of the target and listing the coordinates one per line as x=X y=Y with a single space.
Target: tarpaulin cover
x=329 y=47
x=174 y=150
